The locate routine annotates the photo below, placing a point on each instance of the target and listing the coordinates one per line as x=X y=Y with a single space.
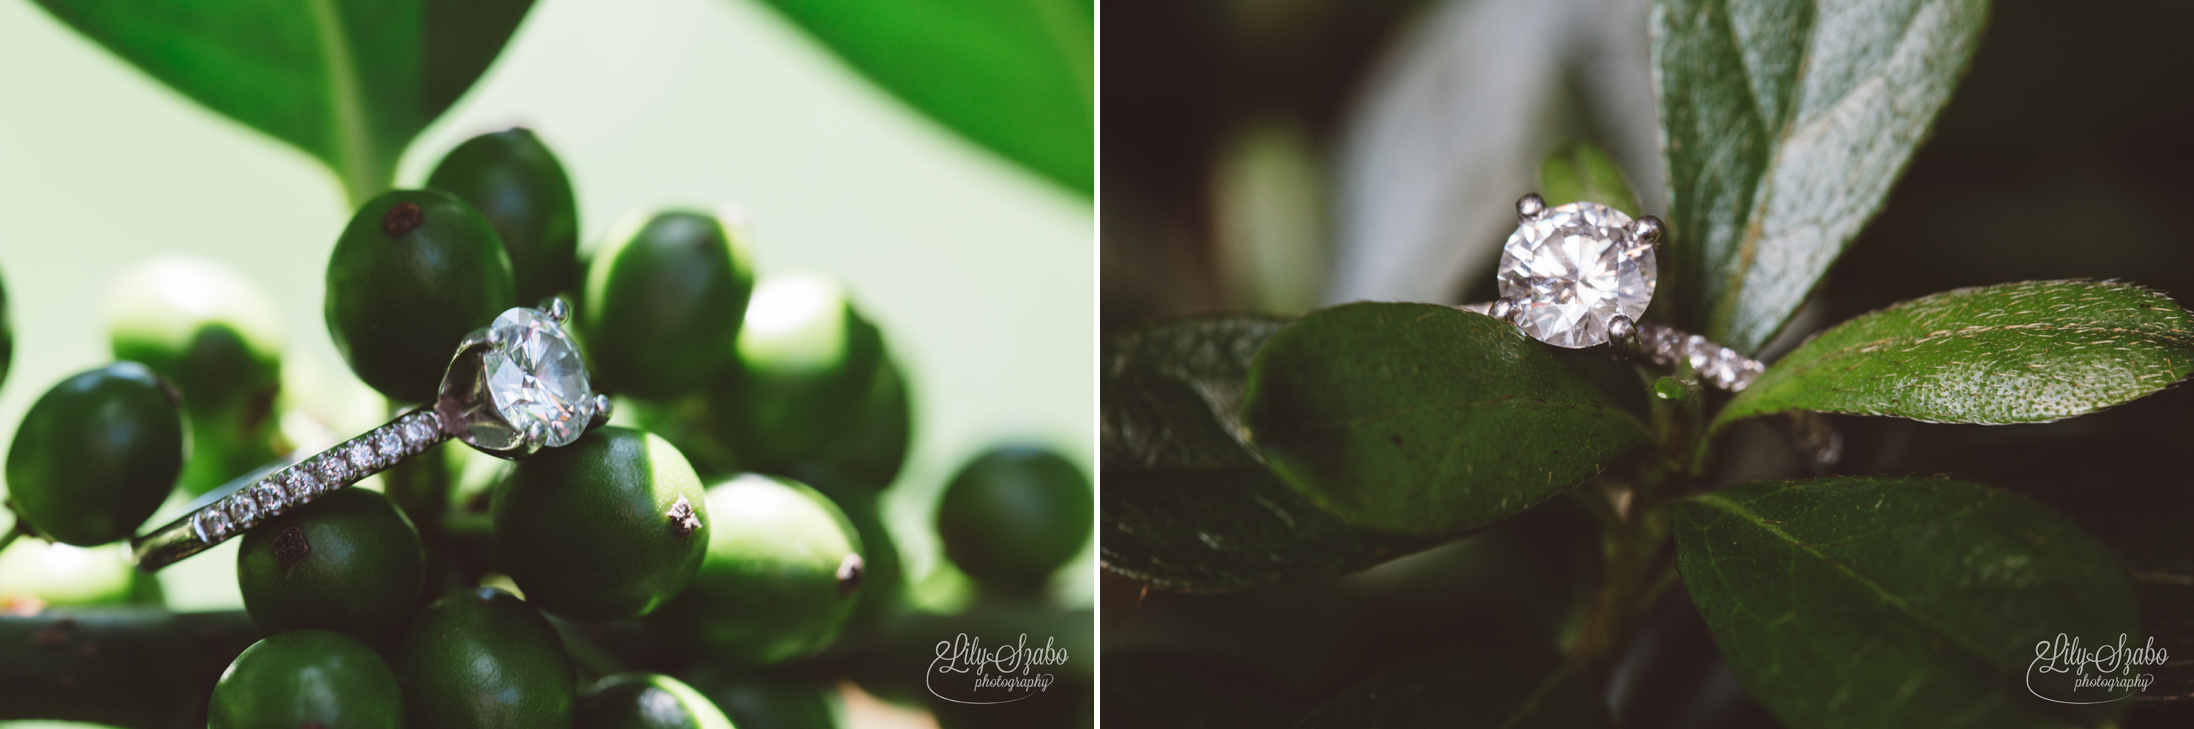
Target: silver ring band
x=513 y=388
x=1717 y=365
x=246 y=502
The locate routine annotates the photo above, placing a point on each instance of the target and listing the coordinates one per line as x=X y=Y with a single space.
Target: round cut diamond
x=360 y=455
x=536 y=377
x=243 y=511
x=333 y=471
x=272 y=497
x=213 y=525
x=1573 y=268
x=302 y=484
x=388 y=445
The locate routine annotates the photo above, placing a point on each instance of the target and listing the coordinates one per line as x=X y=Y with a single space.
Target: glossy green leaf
x=1185 y=505
x=1427 y=419
x=2024 y=352
x=1582 y=171
x=1783 y=126
x=349 y=82
x=1017 y=77
x=1856 y=602
x=1489 y=690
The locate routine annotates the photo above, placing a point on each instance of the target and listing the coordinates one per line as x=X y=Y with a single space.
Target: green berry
x=666 y=295
x=806 y=377
x=646 y=701
x=783 y=573
x=218 y=338
x=483 y=658
x=1014 y=515
x=609 y=527
x=97 y=454
x=306 y=678
x=769 y=699
x=349 y=561
x=415 y=271
x=520 y=188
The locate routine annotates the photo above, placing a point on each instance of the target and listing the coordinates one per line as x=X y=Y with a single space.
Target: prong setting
x=602 y=409
x=1647 y=229
x=556 y=309
x=1502 y=308
x=1622 y=337
x=1530 y=206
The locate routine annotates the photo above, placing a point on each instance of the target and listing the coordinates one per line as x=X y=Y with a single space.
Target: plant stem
x=1628 y=580
x=9 y=538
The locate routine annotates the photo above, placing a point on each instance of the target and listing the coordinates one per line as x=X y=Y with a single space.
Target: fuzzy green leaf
x=1883 y=603
x=1186 y=505
x=1427 y=419
x=350 y=82
x=1017 y=77
x=2024 y=352
x=1783 y=126
x=1493 y=691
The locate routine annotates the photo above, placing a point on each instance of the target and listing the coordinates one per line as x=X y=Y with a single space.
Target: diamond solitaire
x=1571 y=270
x=536 y=377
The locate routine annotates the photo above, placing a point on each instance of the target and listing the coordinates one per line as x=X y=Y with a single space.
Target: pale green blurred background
x=981 y=274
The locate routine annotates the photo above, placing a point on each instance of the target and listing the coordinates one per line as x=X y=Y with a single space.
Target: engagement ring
x=513 y=388
x=1581 y=274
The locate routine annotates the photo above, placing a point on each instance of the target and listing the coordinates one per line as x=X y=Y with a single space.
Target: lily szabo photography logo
x=2066 y=672
x=966 y=672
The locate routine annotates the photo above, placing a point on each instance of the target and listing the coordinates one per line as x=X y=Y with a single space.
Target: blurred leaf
x=1858 y=602
x=1427 y=419
x=2024 y=352
x=1477 y=690
x=1017 y=77
x=1784 y=125
x=1229 y=529
x=1186 y=506
x=346 y=81
x=1581 y=172
x=1172 y=392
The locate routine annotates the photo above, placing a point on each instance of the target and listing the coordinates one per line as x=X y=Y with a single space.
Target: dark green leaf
x=1427 y=419
x=1480 y=690
x=1784 y=125
x=1172 y=392
x=1186 y=506
x=1015 y=76
x=1197 y=530
x=347 y=81
x=1581 y=171
x=1856 y=602
x=2025 y=352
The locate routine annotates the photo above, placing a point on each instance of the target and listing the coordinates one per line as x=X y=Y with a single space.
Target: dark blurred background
x=2065 y=154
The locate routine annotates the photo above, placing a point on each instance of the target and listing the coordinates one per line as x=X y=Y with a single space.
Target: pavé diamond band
x=513 y=388
x=1581 y=274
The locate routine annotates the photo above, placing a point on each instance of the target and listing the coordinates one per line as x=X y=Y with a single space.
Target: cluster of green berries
x=739 y=522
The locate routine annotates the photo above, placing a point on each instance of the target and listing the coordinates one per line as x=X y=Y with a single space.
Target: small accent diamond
x=212 y=525
x=301 y=484
x=360 y=455
x=273 y=499
x=334 y=473
x=389 y=445
x=243 y=510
